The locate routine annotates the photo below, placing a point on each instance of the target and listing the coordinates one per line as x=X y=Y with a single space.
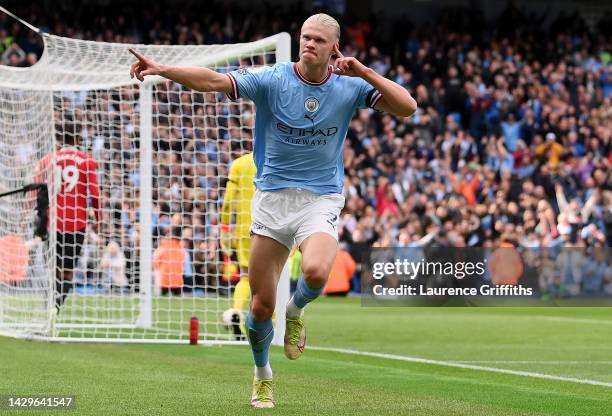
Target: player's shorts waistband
x=295 y=191
x=298 y=194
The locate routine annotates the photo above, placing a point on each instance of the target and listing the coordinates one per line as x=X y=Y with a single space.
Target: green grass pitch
x=122 y=379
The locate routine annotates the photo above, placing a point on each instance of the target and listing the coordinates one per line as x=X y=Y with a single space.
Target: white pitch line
x=465 y=366
x=544 y=362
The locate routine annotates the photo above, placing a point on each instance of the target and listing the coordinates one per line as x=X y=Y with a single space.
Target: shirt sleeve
x=367 y=95
x=251 y=83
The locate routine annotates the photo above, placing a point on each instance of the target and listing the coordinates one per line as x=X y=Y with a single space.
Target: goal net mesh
x=163 y=154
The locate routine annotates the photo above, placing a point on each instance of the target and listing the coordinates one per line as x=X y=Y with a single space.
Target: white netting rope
x=26 y=127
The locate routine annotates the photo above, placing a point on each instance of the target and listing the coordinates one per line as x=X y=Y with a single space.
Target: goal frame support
x=145 y=318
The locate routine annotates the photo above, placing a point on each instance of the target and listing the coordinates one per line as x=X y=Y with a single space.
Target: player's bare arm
x=395 y=98
x=200 y=79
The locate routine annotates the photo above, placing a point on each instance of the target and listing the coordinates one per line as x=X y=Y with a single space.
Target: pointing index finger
x=136 y=54
x=337 y=51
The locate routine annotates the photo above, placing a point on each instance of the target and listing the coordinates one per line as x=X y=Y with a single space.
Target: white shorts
x=293 y=215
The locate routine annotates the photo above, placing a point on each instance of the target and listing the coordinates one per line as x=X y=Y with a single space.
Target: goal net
x=163 y=154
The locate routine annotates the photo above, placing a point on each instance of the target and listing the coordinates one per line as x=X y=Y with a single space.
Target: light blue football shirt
x=300 y=126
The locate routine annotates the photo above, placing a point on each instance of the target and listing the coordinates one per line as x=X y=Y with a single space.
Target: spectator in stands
x=14 y=259
x=113 y=265
x=339 y=282
x=169 y=263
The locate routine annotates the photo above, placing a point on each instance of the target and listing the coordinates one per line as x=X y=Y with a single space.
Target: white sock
x=292 y=309
x=263 y=373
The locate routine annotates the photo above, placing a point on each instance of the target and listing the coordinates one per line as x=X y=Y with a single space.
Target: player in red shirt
x=74 y=184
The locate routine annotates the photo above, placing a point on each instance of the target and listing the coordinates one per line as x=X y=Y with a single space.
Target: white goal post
x=163 y=154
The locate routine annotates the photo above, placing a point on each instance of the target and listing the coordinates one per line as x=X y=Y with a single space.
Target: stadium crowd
x=511 y=142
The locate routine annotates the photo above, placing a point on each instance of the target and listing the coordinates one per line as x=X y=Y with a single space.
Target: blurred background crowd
x=511 y=142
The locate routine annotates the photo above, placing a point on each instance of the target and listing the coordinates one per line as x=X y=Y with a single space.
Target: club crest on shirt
x=242 y=71
x=311 y=104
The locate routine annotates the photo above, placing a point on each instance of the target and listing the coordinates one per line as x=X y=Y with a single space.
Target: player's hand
x=143 y=67
x=348 y=66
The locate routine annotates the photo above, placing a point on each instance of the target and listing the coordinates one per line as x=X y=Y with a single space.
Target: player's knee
x=316 y=274
x=262 y=309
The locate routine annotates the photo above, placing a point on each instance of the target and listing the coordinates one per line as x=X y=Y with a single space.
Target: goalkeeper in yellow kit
x=237 y=202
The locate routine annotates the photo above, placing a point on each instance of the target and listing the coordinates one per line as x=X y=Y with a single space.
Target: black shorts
x=68 y=248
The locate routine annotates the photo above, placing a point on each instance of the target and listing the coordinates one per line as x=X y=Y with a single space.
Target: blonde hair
x=325 y=20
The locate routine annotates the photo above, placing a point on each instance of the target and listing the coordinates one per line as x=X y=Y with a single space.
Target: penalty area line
x=464 y=366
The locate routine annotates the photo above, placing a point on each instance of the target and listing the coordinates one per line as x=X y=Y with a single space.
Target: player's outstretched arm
x=395 y=98
x=200 y=79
